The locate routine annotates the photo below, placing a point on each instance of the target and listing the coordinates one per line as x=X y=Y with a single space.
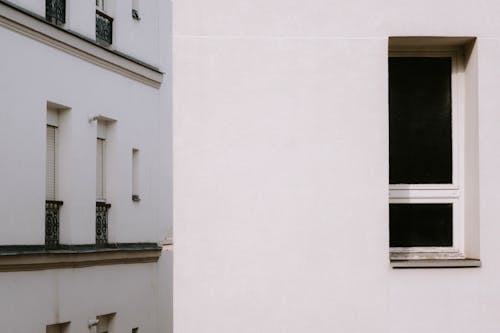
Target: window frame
x=439 y=193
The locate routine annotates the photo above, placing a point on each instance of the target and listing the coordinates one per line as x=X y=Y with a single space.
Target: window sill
x=436 y=263
x=37 y=257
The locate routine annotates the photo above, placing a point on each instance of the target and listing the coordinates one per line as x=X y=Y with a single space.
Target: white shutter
x=135 y=171
x=100 y=174
x=51 y=163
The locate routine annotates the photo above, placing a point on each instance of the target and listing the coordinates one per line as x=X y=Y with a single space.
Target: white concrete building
x=322 y=146
x=86 y=166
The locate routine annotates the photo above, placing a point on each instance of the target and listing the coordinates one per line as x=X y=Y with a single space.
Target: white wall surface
x=281 y=169
x=139 y=38
x=27 y=84
x=80 y=17
x=77 y=295
x=35 y=6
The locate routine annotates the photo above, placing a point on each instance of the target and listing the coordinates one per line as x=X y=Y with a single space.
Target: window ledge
x=38 y=257
x=436 y=263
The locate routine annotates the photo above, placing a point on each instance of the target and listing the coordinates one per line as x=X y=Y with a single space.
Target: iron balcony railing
x=103 y=28
x=101 y=223
x=55 y=11
x=52 y=223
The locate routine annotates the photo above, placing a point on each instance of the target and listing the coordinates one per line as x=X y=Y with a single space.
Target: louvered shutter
x=100 y=175
x=51 y=163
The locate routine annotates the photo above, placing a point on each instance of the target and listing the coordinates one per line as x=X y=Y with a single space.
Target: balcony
x=52 y=223
x=103 y=28
x=55 y=11
x=101 y=223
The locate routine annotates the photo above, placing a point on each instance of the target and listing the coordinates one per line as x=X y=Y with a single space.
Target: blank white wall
x=281 y=169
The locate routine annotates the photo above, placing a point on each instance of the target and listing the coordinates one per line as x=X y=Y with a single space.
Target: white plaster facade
x=37 y=70
x=281 y=169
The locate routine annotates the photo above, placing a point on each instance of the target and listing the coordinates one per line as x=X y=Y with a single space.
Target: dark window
x=421 y=224
x=421 y=150
x=420 y=138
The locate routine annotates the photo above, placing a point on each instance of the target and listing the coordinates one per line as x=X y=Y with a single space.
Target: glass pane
x=421 y=225
x=420 y=149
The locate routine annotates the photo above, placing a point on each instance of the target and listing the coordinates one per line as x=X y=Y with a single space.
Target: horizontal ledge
x=34 y=26
x=429 y=41
x=436 y=263
x=37 y=257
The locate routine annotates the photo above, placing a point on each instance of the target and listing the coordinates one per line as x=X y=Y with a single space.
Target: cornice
x=34 y=26
x=32 y=258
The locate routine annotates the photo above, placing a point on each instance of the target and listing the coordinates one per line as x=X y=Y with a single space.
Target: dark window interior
x=421 y=224
x=420 y=138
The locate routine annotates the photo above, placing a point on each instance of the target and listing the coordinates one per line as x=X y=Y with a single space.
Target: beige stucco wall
x=281 y=169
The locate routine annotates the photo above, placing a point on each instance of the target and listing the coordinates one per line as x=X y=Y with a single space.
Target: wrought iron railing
x=55 y=11
x=52 y=223
x=101 y=223
x=103 y=28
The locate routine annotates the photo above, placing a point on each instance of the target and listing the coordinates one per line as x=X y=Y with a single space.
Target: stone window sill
x=436 y=263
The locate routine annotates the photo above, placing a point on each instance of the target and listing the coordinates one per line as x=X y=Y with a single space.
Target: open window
x=427 y=150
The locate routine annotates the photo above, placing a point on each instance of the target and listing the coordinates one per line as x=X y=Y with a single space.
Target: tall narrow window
x=102 y=206
x=424 y=165
x=52 y=205
x=135 y=175
x=51 y=162
x=100 y=170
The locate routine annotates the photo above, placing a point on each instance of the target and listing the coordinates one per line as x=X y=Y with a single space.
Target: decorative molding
x=34 y=26
x=32 y=258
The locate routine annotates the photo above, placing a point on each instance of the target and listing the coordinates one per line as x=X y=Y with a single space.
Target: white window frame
x=439 y=193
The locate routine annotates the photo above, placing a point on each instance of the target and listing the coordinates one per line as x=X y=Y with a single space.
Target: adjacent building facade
x=336 y=166
x=86 y=169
